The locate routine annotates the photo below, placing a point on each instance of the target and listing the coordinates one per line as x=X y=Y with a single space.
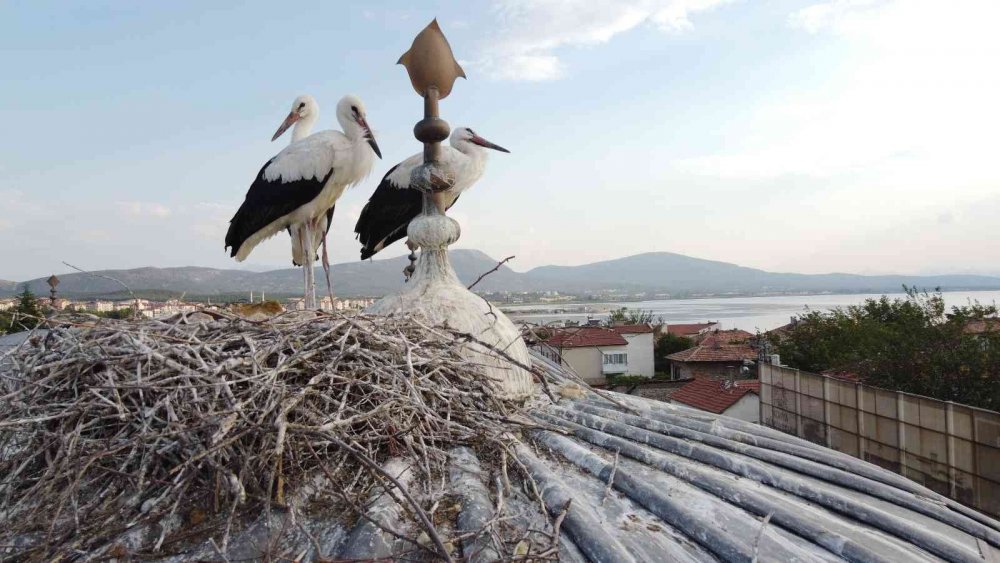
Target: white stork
x=389 y=210
x=301 y=118
x=303 y=182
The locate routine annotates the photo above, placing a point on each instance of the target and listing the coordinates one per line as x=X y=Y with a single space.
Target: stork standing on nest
x=301 y=118
x=302 y=183
x=395 y=202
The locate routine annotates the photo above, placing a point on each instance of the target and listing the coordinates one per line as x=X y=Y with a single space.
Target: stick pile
x=107 y=427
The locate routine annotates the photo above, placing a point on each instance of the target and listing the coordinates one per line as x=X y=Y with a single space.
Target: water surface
x=747 y=313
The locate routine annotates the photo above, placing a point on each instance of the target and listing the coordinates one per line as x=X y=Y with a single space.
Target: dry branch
x=495 y=268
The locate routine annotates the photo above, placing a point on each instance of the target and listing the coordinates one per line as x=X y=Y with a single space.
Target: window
x=615 y=359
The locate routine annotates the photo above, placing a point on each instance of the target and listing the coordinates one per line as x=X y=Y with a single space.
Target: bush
x=909 y=344
x=24 y=316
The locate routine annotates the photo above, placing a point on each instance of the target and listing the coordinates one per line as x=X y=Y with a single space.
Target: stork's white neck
x=350 y=127
x=303 y=127
x=473 y=167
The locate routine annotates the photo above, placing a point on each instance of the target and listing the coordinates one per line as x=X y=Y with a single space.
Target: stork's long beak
x=293 y=116
x=484 y=143
x=369 y=136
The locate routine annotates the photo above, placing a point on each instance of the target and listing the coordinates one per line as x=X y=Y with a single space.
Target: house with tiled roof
x=593 y=352
x=712 y=361
x=738 y=399
x=596 y=352
x=691 y=330
x=724 y=337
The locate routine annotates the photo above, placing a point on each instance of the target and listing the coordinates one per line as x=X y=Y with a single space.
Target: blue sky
x=812 y=136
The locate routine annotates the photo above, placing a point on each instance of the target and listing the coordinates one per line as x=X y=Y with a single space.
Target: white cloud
x=138 y=209
x=911 y=102
x=531 y=31
x=837 y=14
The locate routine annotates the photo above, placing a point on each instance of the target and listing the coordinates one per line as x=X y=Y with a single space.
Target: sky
x=790 y=135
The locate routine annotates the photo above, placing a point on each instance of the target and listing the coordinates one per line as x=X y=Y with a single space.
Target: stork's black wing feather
x=385 y=217
x=268 y=201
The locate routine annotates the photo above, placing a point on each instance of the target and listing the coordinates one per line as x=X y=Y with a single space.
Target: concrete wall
x=589 y=362
x=586 y=362
x=640 y=354
x=747 y=408
x=950 y=448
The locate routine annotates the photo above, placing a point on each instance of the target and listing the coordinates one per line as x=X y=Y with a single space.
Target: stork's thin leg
x=305 y=271
x=326 y=270
x=310 y=272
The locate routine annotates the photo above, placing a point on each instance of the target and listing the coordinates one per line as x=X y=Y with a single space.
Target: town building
x=714 y=361
x=724 y=337
x=337 y=304
x=641 y=341
x=597 y=352
x=736 y=398
x=691 y=330
x=593 y=352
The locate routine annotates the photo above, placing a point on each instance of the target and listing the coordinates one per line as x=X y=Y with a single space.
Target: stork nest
x=111 y=427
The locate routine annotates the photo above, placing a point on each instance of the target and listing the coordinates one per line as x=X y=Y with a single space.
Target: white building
x=640 y=339
x=593 y=352
x=596 y=352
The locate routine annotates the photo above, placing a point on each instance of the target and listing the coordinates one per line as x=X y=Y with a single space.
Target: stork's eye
x=471 y=132
x=354 y=109
x=302 y=105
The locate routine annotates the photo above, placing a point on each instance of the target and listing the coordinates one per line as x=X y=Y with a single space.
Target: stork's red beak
x=369 y=136
x=484 y=143
x=289 y=121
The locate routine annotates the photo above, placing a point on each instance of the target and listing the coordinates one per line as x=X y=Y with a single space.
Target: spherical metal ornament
x=431 y=130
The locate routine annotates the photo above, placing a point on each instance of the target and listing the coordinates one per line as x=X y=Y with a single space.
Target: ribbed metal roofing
x=686 y=486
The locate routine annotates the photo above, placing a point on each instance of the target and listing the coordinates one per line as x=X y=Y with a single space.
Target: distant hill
x=679 y=274
x=376 y=277
x=659 y=272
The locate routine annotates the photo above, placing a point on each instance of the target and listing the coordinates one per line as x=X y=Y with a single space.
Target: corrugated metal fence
x=950 y=448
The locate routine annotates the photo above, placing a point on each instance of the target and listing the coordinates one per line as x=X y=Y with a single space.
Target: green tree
x=665 y=345
x=25 y=315
x=123 y=313
x=624 y=315
x=911 y=344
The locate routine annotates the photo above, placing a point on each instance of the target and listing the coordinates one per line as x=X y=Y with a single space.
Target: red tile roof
x=585 y=336
x=633 y=329
x=689 y=329
x=715 y=353
x=714 y=395
x=723 y=337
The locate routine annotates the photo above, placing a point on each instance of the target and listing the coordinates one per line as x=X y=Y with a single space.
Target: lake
x=746 y=313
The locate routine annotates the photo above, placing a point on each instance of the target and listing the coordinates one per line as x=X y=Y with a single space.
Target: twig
x=135 y=300
x=495 y=268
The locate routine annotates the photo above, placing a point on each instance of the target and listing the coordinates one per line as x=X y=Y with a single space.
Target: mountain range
x=654 y=272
